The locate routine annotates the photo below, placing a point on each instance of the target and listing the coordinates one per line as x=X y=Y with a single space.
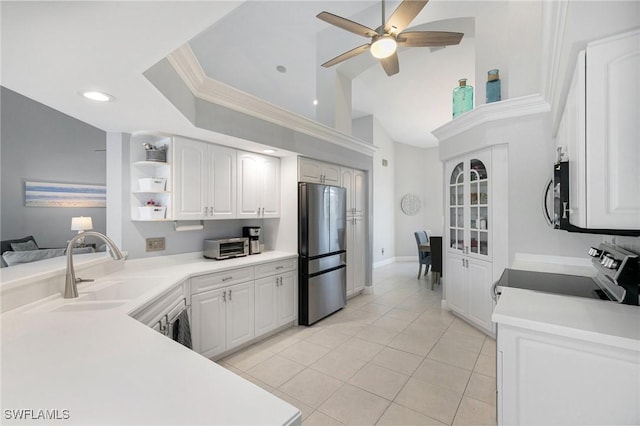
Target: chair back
x=422 y=238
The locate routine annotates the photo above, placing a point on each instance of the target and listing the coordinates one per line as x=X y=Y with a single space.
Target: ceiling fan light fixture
x=383 y=47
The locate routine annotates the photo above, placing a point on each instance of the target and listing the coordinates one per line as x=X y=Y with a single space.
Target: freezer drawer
x=322 y=294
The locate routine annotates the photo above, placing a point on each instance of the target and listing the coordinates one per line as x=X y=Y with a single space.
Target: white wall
x=418 y=171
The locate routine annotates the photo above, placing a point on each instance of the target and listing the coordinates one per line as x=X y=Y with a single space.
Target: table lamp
x=81 y=224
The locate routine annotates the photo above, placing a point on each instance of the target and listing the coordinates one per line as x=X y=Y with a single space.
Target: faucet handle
x=82 y=280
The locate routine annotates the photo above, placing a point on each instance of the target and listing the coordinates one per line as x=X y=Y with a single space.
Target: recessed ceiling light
x=281 y=68
x=315 y=102
x=269 y=151
x=97 y=96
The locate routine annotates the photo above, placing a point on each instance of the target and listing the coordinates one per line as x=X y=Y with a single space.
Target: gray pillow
x=24 y=246
x=17 y=257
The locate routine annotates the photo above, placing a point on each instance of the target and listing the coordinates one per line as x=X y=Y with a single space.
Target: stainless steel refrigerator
x=321 y=246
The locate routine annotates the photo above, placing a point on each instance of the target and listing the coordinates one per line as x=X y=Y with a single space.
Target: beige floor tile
x=329 y=337
x=277 y=343
x=256 y=382
x=302 y=332
x=482 y=388
x=489 y=347
x=353 y=406
x=360 y=348
x=374 y=334
x=349 y=328
x=362 y=316
x=397 y=415
x=461 y=326
x=451 y=354
x=275 y=370
x=320 y=419
x=305 y=409
x=389 y=323
x=431 y=400
x=340 y=365
x=311 y=387
x=474 y=412
x=247 y=358
x=379 y=380
x=375 y=307
x=391 y=299
x=413 y=344
x=400 y=361
x=445 y=375
x=402 y=314
x=304 y=352
x=486 y=365
x=412 y=305
x=424 y=330
x=466 y=342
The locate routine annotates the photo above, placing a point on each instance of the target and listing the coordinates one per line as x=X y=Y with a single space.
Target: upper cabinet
x=354 y=182
x=205 y=180
x=258 y=186
x=314 y=171
x=599 y=132
x=202 y=181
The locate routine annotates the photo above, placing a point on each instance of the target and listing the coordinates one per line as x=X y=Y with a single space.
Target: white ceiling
x=52 y=50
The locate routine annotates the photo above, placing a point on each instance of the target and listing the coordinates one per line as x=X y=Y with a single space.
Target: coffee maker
x=253 y=233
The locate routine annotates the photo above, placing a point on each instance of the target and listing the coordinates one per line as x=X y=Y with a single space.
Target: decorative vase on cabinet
x=462 y=98
x=493 y=86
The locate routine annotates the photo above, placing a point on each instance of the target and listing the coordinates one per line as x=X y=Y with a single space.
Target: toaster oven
x=226 y=248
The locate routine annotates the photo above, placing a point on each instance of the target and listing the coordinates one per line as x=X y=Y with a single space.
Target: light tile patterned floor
x=388 y=358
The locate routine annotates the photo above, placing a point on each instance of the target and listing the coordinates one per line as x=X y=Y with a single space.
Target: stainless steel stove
x=618 y=278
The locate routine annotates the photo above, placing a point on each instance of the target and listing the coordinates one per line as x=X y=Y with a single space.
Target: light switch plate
x=155 y=244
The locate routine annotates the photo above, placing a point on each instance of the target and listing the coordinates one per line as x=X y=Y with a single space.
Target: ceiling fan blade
x=347 y=55
x=390 y=64
x=403 y=15
x=428 y=38
x=346 y=24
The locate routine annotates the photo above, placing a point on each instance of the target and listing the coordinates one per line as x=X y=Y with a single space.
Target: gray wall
x=41 y=144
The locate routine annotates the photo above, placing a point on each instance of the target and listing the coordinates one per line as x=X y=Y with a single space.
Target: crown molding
x=185 y=63
x=510 y=108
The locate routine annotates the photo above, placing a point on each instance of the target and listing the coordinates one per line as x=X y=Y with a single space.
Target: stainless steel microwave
x=226 y=248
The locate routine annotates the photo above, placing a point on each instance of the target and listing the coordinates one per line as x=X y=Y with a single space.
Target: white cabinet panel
x=190 y=179
x=314 y=171
x=287 y=298
x=266 y=319
x=240 y=314
x=208 y=323
x=221 y=182
x=455 y=281
x=258 y=186
x=480 y=303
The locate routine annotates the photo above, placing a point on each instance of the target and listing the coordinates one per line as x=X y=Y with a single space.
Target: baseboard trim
x=406 y=259
x=384 y=262
x=367 y=290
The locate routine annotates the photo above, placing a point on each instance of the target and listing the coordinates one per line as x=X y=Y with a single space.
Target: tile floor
x=388 y=358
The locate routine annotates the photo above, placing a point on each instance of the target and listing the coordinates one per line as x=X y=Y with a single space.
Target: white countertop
x=581 y=318
x=107 y=368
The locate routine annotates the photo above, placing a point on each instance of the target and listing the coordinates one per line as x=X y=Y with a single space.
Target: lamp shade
x=383 y=47
x=81 y=223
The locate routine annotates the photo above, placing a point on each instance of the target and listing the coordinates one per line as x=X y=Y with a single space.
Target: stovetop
x=569 y=285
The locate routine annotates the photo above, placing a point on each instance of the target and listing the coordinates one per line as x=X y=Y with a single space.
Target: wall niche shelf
x=144 y=169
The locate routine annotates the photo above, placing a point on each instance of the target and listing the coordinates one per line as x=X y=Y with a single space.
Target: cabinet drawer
x=273 y=268
x=211 y=281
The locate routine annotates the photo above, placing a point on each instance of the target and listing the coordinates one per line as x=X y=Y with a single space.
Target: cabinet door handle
x=227 y=278
x=224 y=296
x=279 y=267
x=263 y=211
x=463 y=263
x=211 y=211
x=229 y=294
x=565 y=209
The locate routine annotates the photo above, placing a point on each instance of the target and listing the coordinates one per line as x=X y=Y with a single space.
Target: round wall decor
x=411 y=204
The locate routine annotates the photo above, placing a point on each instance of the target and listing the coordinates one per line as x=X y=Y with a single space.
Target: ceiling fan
x=386 y=38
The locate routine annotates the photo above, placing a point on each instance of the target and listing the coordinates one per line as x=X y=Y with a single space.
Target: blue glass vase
x=493 y=86
x=462 y=98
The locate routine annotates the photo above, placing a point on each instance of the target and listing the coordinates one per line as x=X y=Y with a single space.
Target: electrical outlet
x=155 y=244
x=383 y=251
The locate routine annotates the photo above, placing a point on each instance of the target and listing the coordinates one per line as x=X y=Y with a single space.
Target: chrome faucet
x=71 y=282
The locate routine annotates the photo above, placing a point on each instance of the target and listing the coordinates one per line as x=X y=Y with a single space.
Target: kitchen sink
x=117 y=290
x=89 y=306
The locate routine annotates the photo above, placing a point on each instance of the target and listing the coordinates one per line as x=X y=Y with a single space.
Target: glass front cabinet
x=468 y=274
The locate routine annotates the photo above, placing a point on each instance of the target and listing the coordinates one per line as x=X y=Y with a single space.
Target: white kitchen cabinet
x=545 y=379
x=223 y=318
x=258 y=179
x=469 y=270
x=599 y=132
x=355 y=184
x=205 y=180
x=275 y=301
x=276 y=295
x=314 y=171
x=356 y=254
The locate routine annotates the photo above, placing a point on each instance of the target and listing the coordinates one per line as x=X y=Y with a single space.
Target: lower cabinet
x=356 y=255
x=222 y=318
x=468 y=283
x=275 y=302
x=544 y=378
